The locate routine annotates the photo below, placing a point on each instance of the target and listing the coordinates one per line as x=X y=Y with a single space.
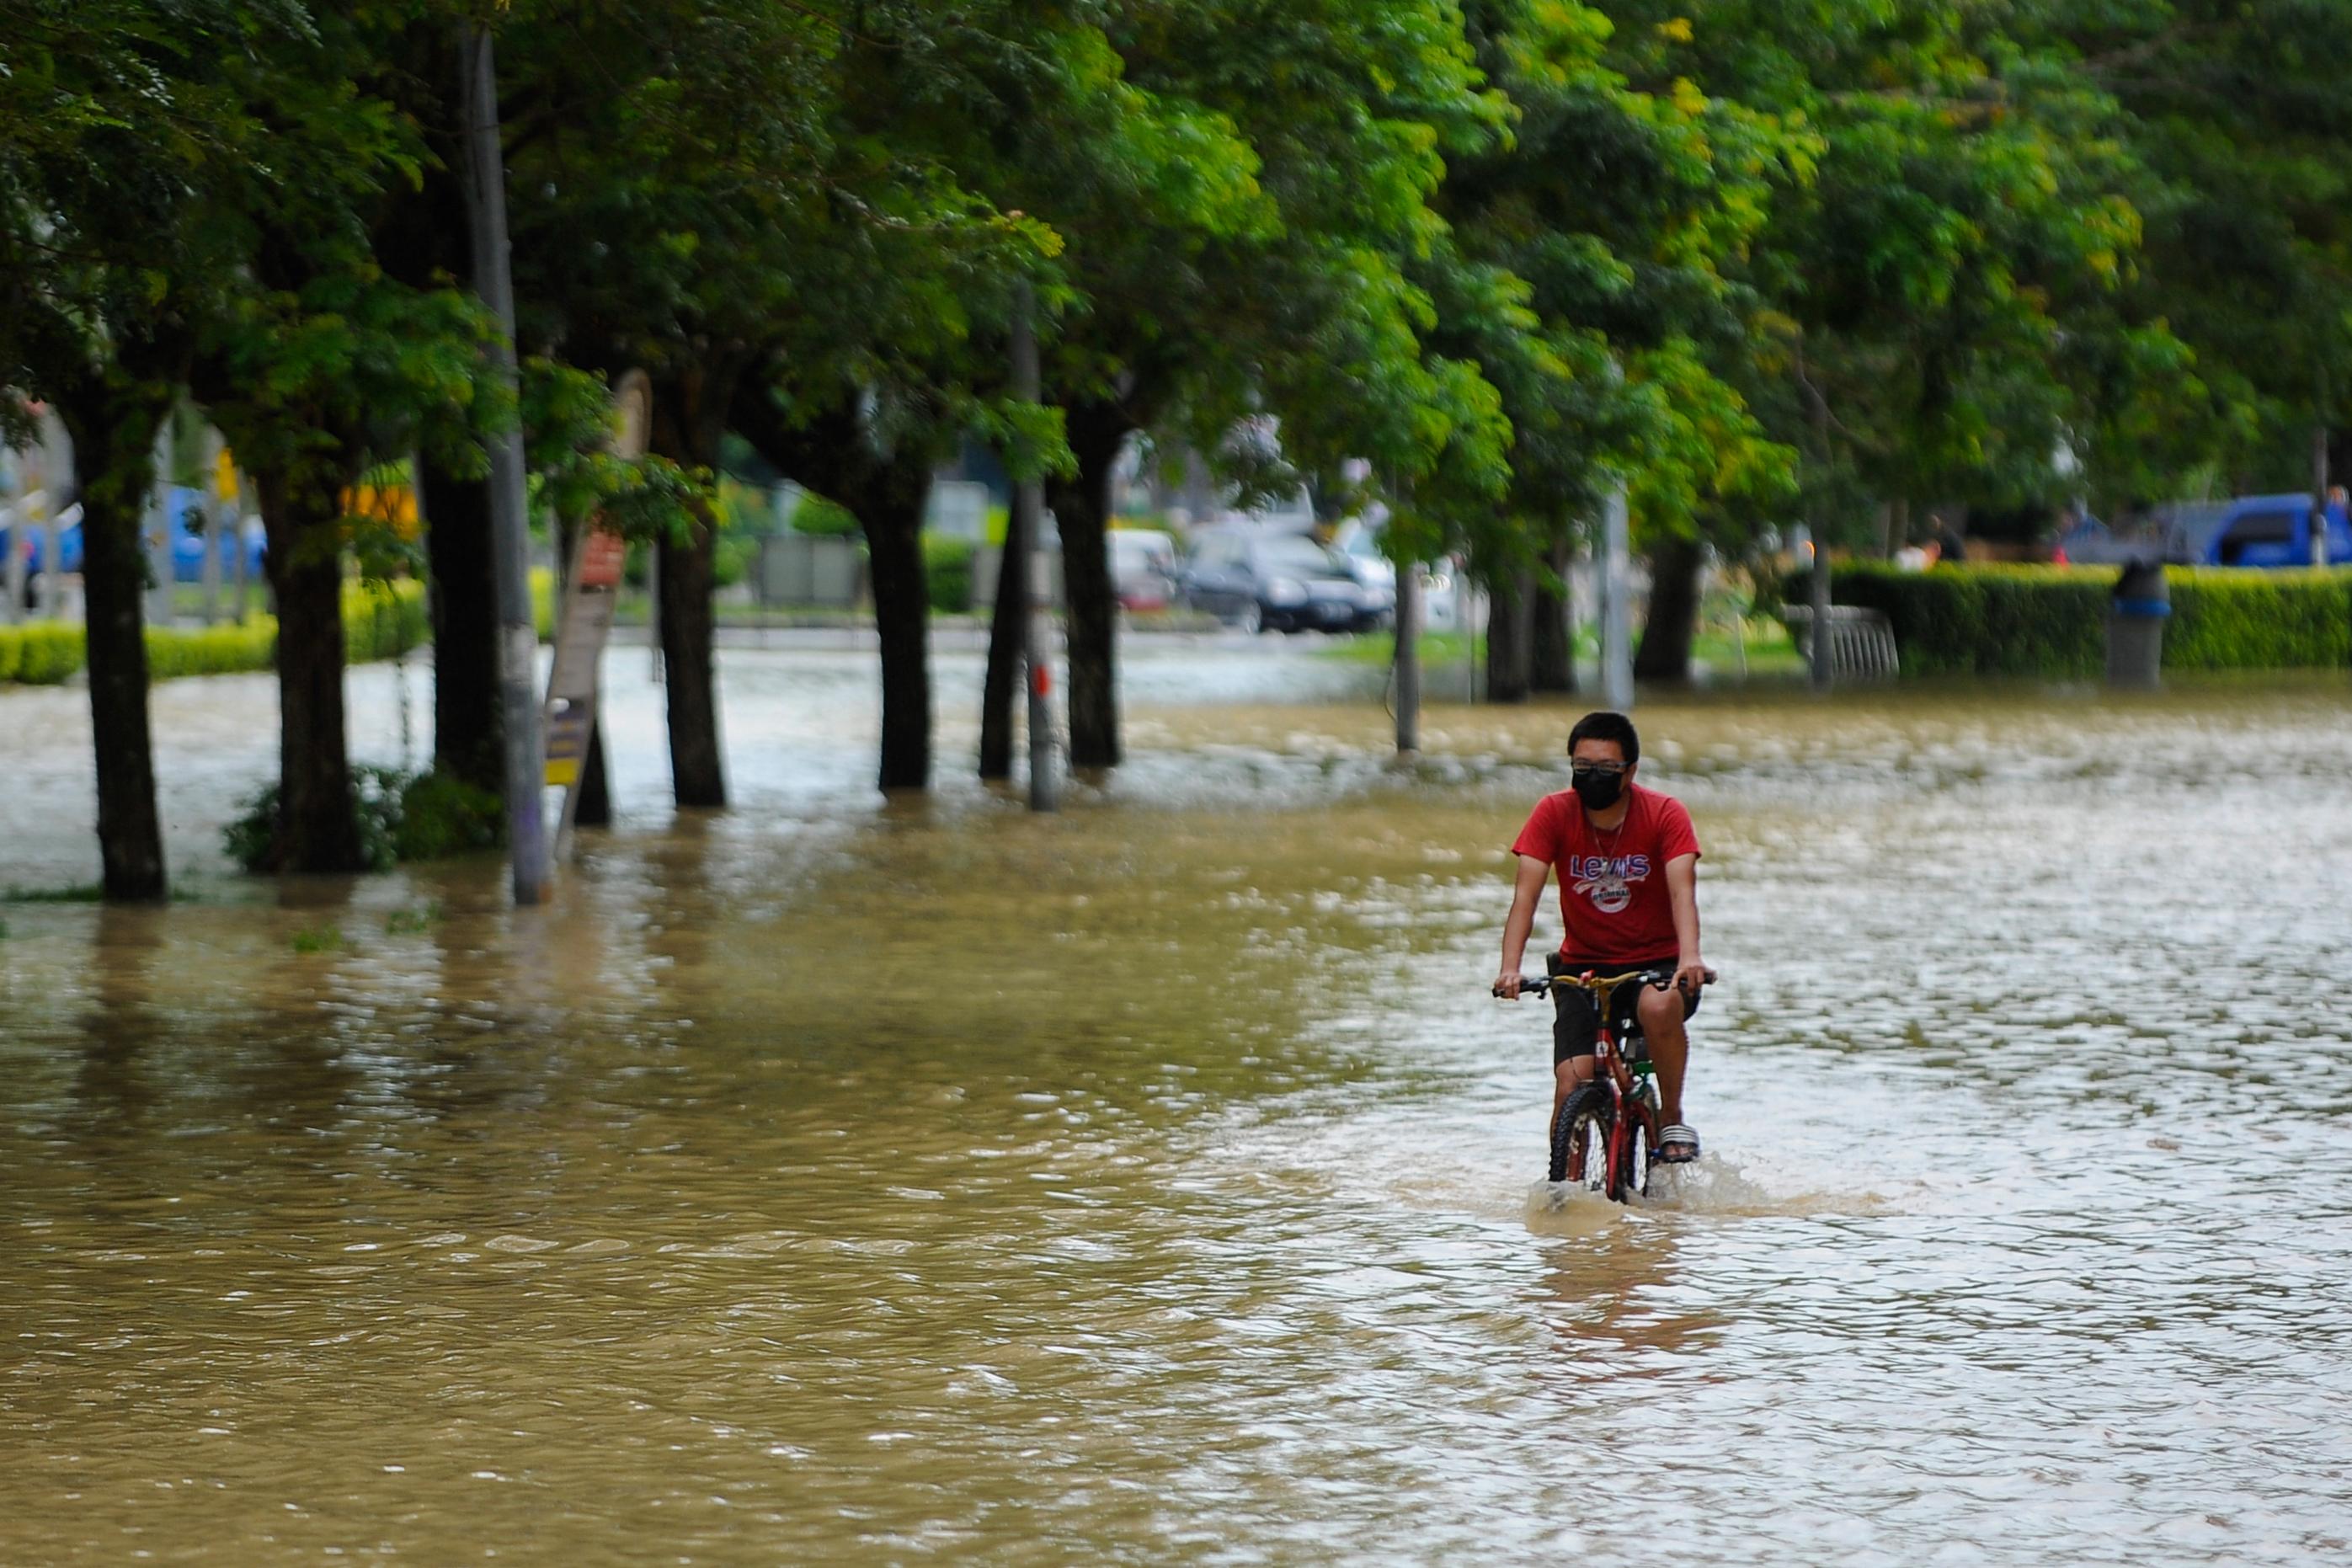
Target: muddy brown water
x=835 y=1181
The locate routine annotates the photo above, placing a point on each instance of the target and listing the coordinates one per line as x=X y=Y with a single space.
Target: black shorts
x=1574 y=1020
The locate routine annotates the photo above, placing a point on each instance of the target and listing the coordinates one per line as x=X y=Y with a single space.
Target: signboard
x=591 y=583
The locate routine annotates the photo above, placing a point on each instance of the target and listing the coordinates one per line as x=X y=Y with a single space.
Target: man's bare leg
x=1567 y=1076
x=1662 y=1025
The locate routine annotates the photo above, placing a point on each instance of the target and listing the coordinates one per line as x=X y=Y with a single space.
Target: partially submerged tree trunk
x=595 y=805
x=113 y=428
x=317 y=829
x=1673 y=620
x=890 y=509
x=689 y=419
x=996 y=691
x=1551 y=633
x=1508 y=636
x=835 y=456
x=1082 y=506
x=468 y=720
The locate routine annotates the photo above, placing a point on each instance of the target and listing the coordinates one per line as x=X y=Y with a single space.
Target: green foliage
x=210 y=650
x=826 y=518
x=413 y=921
x=2051 y=622
x=947 y=568
x=2259 y=620
x=440 y=815
x=40 y=653
x=401 y=818
x=1984 y=620
x=381 y=620
x=312 y=940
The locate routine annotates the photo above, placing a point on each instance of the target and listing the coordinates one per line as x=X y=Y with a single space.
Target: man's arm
x=1682 y=892
x=1525 y=893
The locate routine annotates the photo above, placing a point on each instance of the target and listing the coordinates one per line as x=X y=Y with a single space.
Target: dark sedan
x=1278 y=581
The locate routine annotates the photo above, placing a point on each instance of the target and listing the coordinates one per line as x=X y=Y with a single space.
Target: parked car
x=1359 y=546
x=1142 y=568
x=1280 y=582
x=2249 y=530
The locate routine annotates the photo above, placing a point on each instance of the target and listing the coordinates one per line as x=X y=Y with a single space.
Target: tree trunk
x=891 y=511
x=1082 y=506
x=1005 y=632
x=595 y=805
x=834 y=454
x=317 y=830
x=113 y=431
x=1673 y=620
x=689 y=420
x=468 y=719
x=1552 y=635
x=1507 y=638
x=689 y=672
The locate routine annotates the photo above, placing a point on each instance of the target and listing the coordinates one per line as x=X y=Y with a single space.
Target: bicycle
x=1605 y=1138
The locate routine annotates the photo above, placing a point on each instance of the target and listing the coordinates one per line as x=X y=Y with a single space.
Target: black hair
x=1604 y=724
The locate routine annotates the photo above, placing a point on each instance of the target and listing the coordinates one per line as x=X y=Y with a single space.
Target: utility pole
x=486 y=194
x=156 y=529
x=1616 y=612
x=1407 y=660
x=1021 y=533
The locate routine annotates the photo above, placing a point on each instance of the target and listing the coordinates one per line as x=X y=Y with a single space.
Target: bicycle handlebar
x=1658 y=978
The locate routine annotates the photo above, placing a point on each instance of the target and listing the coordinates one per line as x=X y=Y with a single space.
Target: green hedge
x=947 y=572
x=378 y=623
x=39 y=653
x=2051 y=621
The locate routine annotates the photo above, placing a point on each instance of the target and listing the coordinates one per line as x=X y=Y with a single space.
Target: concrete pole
x=1824 y=659
x=53 y=567
x=238 y=560
x=11 y=571
x=1616 y=611
x=526 y=766
x=1407 y=660
x=156 y=529
x=1023 y=556
x=2319 y=493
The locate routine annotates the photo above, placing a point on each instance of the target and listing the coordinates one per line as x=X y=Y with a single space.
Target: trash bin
x=2136 y=618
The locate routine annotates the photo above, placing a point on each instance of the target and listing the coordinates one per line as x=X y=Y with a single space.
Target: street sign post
x=591 y=583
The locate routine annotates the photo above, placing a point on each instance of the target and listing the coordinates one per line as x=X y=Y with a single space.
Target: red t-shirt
x=1612 y=882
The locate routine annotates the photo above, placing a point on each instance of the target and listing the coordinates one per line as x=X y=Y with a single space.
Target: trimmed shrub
x=2258 y=620
x=210 y=650
x=41 y=653
x=381 y=620
x=2051 y=621
x=946 y=570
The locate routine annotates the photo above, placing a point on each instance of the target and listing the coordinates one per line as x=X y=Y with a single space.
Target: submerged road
x=839 y=1180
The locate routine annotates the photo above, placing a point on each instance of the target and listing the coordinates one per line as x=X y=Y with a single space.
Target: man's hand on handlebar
x=1690 y=975
x=1507 y=985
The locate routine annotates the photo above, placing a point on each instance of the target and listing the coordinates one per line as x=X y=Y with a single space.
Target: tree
x=124 y=132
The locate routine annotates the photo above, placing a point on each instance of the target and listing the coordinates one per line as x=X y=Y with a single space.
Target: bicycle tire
x=1581 y=1131
x=1634 y=1181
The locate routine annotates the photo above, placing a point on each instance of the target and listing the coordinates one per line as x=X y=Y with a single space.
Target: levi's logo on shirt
x=1609 y=883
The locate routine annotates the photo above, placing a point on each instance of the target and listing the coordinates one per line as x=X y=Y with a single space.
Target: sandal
x=1677 y=1145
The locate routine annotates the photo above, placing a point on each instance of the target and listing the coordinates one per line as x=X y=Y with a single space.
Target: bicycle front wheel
x=1579 y=1140
x=1631 y=1179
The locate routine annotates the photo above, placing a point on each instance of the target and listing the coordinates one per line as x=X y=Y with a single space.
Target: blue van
x=2255 y=531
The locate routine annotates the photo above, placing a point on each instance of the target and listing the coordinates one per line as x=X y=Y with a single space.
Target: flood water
x=836 y=1181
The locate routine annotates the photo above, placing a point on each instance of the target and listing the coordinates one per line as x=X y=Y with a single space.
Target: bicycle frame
x=1624 y=1076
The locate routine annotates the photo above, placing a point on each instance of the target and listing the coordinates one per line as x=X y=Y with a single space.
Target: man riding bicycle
x=1628 y=864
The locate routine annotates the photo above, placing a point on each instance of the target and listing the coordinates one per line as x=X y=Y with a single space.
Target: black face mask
x=1599 y=791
